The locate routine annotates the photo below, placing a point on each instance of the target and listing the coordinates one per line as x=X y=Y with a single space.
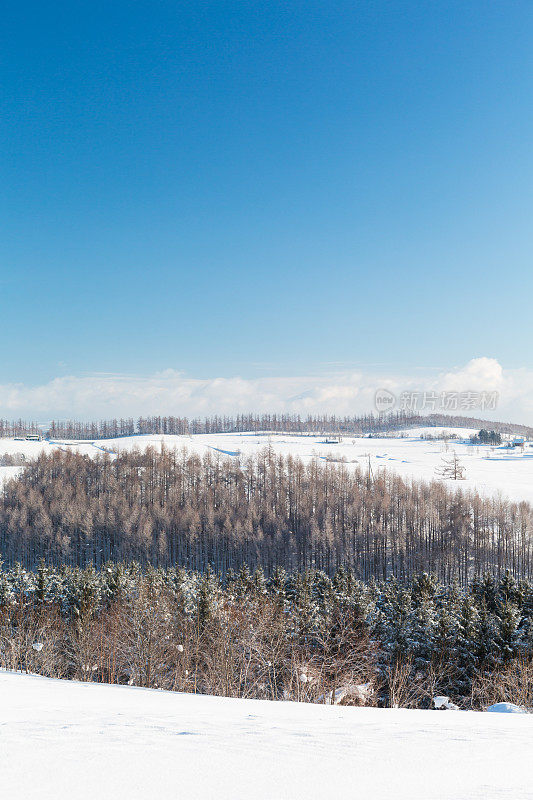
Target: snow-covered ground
x=490 y=470
x=61 y=739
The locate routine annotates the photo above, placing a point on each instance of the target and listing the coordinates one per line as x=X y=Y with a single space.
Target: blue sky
x=264 y=189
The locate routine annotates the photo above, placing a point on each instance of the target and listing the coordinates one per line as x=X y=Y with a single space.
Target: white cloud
x=480 y=374
x=173 y=392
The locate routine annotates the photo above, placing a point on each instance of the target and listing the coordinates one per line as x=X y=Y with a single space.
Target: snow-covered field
x=490 y=470
x=61 y=739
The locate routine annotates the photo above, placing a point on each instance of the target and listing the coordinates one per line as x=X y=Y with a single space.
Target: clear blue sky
x=261 y=188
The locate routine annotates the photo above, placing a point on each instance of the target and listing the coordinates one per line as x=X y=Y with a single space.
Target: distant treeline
x=289 y=423
x=170 y=507
x=19 y=427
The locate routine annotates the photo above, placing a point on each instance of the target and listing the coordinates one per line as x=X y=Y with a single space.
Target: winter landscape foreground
x=63 y=739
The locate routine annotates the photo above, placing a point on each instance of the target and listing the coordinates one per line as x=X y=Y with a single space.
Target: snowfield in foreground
x=489 y=470
x=61 y=739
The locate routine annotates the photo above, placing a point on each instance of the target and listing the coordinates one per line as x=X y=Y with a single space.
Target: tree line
x=19 y=427
x=280 y=423
x=293 y=636
x=169 y=507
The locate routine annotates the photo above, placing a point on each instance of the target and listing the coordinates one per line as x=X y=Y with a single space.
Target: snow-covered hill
x=490 y=470
x=61 y=739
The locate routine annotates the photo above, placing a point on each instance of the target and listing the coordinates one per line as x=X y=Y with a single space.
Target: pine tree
x=508 y=636
x=487 y=649
x=467 y=646
x=208 y=598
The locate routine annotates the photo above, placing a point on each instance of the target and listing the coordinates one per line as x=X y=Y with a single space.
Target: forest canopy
x=169 y=508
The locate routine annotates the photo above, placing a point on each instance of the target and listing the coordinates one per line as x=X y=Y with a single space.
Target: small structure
x=33 y=437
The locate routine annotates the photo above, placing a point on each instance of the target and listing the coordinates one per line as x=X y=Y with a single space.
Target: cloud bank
x=173 y=392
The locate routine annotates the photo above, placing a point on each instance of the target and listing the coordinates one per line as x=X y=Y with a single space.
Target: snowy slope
x=490 y=470
x=9 y=472
x=61 y=739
